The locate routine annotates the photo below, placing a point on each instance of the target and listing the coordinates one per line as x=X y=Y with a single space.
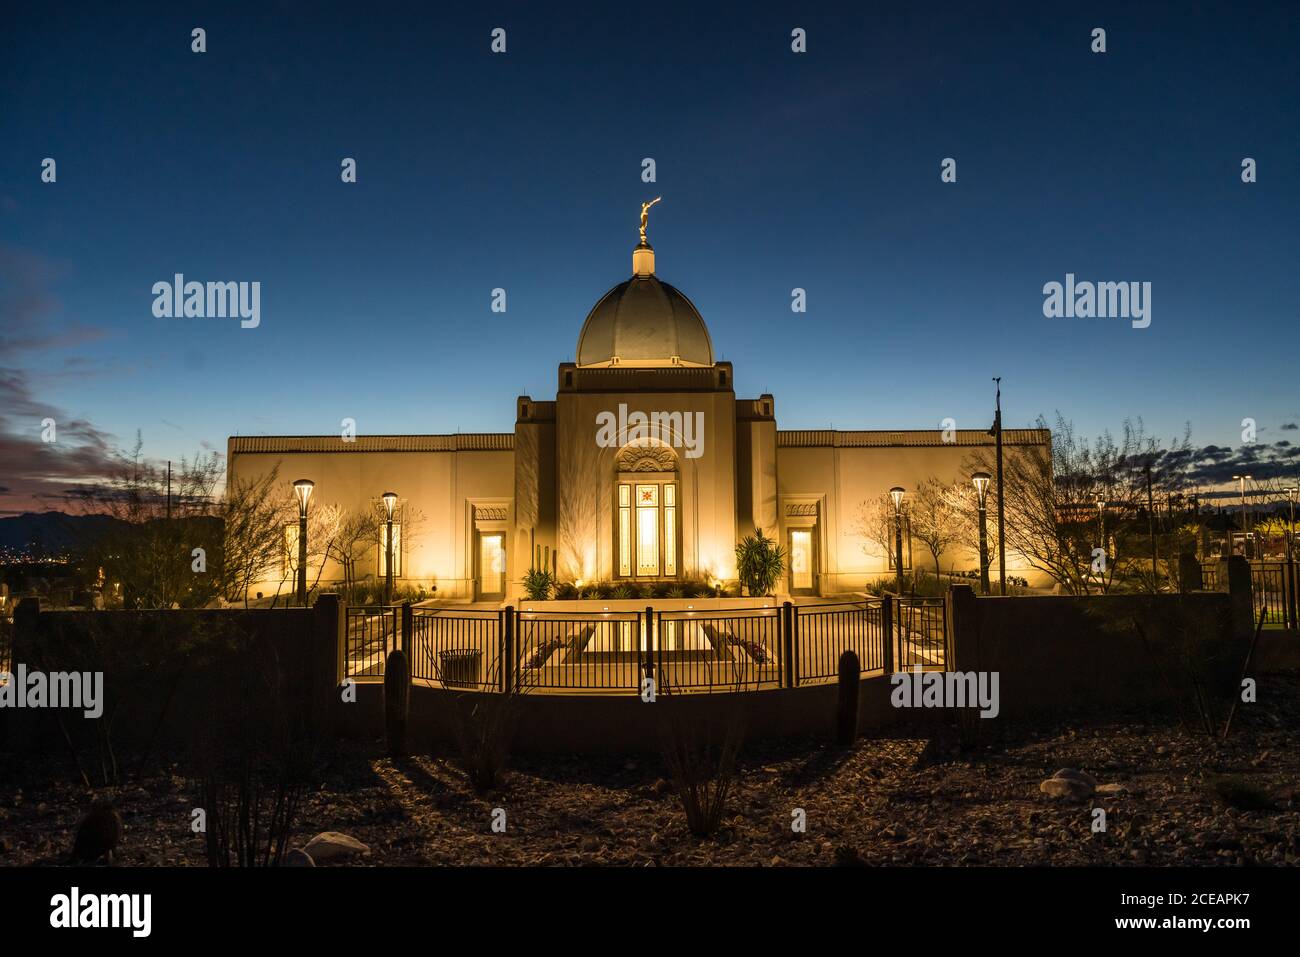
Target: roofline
x=459 y=442
x=906 y=438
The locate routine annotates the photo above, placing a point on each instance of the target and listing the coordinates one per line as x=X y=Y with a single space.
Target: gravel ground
x=887 y=800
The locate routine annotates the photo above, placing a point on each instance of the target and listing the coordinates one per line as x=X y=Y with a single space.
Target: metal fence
x=824 y=632
x=578 y=651
x=684 y=650
x=921 y=627
x=457 y=649
x=370 y=633
x=6 y=646
x=1274 y=587
x=723 y=650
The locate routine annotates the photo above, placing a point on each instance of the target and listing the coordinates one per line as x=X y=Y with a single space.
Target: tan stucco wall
x=443 y=486
x=586 y=479
x=839 y=479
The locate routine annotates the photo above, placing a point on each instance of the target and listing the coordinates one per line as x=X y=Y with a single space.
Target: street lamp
x=897 y=493
x=302 y=488
x=1101 y=522
x=1291 y=493
x=390 y=501
x=981 y=481
x=1241 y=481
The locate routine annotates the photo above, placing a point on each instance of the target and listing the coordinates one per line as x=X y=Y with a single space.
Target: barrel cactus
x=397 y=700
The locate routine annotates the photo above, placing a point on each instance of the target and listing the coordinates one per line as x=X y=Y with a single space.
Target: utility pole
x=1002 y=526
x=169 y=489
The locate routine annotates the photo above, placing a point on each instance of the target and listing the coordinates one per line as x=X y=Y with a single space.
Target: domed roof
x=644 y=322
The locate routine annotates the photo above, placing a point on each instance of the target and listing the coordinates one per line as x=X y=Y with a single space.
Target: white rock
x=333 y=846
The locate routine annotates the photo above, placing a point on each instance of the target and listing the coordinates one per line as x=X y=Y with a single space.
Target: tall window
x=383 y=549
x=647 y=529
x=289 y=560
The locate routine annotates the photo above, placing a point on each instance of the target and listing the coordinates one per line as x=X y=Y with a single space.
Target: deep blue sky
x=523 y=171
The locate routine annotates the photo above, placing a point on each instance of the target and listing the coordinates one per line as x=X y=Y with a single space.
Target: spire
x=643 y=257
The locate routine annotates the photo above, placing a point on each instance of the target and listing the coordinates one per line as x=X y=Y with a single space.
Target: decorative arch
x=647 y=527
x=646 y=455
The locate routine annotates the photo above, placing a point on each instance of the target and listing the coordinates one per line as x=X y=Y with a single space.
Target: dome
x=644 y=322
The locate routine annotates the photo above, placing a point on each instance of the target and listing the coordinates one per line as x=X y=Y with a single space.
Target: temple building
x=644 y=466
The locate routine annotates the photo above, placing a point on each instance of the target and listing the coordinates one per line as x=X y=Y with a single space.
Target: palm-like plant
x=759 y=563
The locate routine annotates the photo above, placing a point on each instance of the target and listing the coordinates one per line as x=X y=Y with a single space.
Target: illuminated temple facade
x=586 y=487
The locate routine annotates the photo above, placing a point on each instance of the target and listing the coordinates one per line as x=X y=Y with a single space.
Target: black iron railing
x=1274 y=586
x=578 y=651
x=824 y=632
x=683 y=650
x=921 y=633
x=722 y=650
x=370 y=633
x=457 y=649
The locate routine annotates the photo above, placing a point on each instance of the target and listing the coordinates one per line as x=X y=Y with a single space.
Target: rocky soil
x=1169 y=798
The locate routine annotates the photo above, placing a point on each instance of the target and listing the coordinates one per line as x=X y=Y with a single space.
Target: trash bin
x=460 y=667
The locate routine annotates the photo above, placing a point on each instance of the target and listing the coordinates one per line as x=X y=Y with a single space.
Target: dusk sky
x=523 y=171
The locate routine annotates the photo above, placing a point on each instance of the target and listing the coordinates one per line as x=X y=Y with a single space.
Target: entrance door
x=491 y=565
x=802 y=559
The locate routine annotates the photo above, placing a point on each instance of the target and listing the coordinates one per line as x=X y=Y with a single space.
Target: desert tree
x=1051 y=496
x=161 y=516
x=935 y=518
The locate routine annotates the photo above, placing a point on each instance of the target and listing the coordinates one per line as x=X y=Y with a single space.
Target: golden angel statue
x=645 y=216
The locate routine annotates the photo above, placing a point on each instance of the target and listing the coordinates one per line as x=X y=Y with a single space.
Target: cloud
x=37 y=472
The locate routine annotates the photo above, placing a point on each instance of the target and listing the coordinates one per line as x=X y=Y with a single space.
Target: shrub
x=538 y=584
x=759 y=563
x=483 y=725
x=702 y=773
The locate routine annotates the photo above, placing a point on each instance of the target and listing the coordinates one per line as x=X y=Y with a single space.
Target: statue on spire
x=645 y=217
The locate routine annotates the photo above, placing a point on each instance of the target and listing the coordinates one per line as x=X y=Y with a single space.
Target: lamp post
x=1101 y=524
x=897 y=493
x=1241 y=481
x=981 y=480
x=1291 y=493
x=390 y=501
x=302 y=488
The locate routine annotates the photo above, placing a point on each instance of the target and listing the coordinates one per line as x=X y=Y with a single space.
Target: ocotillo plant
x=846 y=707
x=397 y=700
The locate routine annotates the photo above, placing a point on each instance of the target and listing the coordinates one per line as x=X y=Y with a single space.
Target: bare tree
x=1053 y=517
x=935 y=518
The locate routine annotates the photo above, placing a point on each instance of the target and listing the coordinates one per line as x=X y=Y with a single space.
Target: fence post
x=508 y=650
x=963 y=635
x=887 y=634
x=328 y=654
x=787 y=643
x=408 y=620
x=649 y=641
x=1241 y=597
x=1292 y=592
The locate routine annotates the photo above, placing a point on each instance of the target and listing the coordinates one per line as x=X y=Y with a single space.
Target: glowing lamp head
x=897 y=493
x=302 y=488
x=1292 y=491
x=390 y=502
x=981 y=481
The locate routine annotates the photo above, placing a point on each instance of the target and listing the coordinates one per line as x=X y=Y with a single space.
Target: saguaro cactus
x=397 y=700
x=846 y=707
